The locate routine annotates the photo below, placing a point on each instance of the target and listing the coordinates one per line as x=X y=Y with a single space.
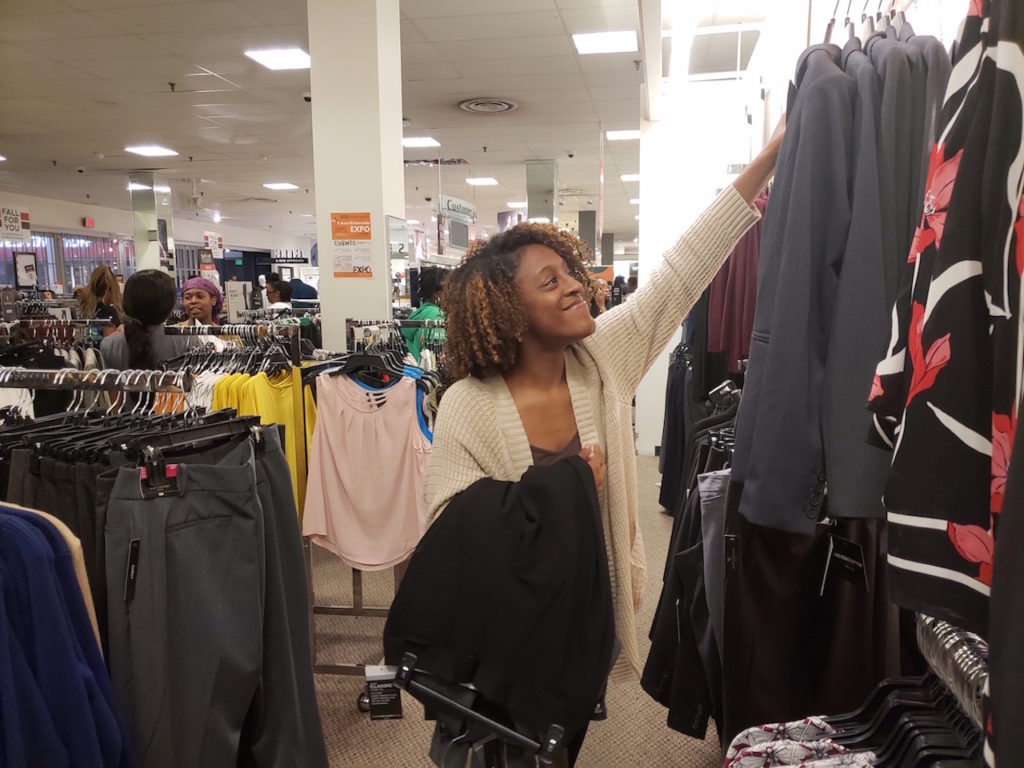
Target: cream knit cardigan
x=478 y=432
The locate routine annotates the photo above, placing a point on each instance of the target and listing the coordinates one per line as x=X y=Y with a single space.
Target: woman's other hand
x=594 y=456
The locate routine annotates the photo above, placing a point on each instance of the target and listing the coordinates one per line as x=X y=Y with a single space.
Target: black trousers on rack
x=789 y=650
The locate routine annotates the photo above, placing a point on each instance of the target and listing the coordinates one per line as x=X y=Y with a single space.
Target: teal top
x=415 y=337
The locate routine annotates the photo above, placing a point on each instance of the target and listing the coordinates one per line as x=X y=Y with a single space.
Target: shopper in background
x=301 y=290
x=279 y=295
x=431 y=283
x=538 y=381
x=149 y=299
x=202 y=301
x=102 y=298
x=602 y=295
x=631 y=285
x=265 y=280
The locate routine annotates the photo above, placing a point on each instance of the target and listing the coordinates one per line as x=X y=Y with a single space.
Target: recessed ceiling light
x=307 y=215
x=216 y=217
x=281 y=58
x=622 y=135
x=420 y=141
x=133 y=187
x=433 y=219
x=634 y=201
x=637 y=217
x=281 y=185
x=162 y=188
x=606 y=42
x=413 y=221
x=516 y=205
x=630 y=177
x=636 y=239
x=539 y=220
x=482 y=181
x=151 y=150
x=2 y=158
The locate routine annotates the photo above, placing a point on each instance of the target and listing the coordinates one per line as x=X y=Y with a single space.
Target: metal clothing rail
x=959 y=658
x=56 y=322
x=95 y=380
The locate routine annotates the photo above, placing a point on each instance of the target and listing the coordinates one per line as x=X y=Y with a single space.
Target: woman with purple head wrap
x=202 y=300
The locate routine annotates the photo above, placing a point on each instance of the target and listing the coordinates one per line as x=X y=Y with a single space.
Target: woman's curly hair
x=484 y=318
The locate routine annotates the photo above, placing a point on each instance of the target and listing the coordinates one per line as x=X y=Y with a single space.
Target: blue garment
x=115 y=742
x=27 y=733
x=40 y=589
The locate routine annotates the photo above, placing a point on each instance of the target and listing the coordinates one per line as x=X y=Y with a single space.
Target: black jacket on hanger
x=509 y=590
x=779 y=429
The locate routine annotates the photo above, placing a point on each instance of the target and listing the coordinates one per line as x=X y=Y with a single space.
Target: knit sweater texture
x=478 y=432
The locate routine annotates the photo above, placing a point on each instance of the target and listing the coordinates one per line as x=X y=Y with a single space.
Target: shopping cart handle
x=554 y=739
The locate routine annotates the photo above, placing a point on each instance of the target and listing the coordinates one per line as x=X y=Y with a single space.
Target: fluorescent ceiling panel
x=516 y=205
x=280 y=186
x=630 y=177
x=623 y=135
x=151 y=150
x=420 y=142
x=280 y=58
x=482 y=181
x=606 y=42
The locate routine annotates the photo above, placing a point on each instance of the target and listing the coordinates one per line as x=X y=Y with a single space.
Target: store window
x=83 y=254
x=43 y=246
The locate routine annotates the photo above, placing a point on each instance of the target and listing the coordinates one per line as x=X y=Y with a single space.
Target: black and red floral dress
x=946 y=396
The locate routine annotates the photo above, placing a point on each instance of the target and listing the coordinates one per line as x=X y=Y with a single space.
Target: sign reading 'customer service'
x=350 y=236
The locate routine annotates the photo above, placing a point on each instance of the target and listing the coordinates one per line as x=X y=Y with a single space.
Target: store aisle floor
x=634 y=734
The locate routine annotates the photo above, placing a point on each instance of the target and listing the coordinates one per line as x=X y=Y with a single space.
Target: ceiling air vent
x=488 y=106
x=435 y=163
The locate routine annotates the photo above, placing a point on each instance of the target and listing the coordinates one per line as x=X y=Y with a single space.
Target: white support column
x=356 y=87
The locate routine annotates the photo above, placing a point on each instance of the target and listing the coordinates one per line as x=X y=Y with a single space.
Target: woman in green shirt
x=431 y=282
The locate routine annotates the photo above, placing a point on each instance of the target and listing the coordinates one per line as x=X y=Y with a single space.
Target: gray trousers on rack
x=185 y=589
x=279 y=723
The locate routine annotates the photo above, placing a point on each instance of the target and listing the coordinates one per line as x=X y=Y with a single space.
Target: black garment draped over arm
x=509 y=590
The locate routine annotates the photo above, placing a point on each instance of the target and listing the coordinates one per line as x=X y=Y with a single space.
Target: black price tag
x=845 y=560
x=385 y=696
x=131 y=570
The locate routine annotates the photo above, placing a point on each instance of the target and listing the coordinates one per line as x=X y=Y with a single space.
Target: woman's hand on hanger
x=594 y=456
x=755 y=177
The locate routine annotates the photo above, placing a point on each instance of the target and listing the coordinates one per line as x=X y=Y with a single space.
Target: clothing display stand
x=357 y=608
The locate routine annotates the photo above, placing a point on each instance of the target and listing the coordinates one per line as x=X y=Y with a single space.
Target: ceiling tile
x=40 y=70
x=507 y=48
x=431 y=70
x=230 y=42
x=551 y=65
x=33 y=7
x=146 y=66
x=54 y=26
x=424 y=9
x=620 y=77
x=116 y=47
x=12 y=54
x=173 y=17
x=281 y=12
x=417 y=53
x=499 y=25
x=603 y=19
x=410 y=34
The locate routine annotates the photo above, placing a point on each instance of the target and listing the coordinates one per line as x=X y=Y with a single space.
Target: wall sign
x=289 y=256
x=215 y=242
x=350 y=237
x=457 y=210
x=14 y=225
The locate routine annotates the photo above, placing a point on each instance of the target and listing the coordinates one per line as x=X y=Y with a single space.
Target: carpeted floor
x=634 y=734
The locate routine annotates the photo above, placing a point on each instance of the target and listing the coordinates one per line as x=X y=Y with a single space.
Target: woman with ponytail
x=149 y=299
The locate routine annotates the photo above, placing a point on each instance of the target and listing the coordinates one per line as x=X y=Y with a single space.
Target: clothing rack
x=960 y=660
x=70 y=379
